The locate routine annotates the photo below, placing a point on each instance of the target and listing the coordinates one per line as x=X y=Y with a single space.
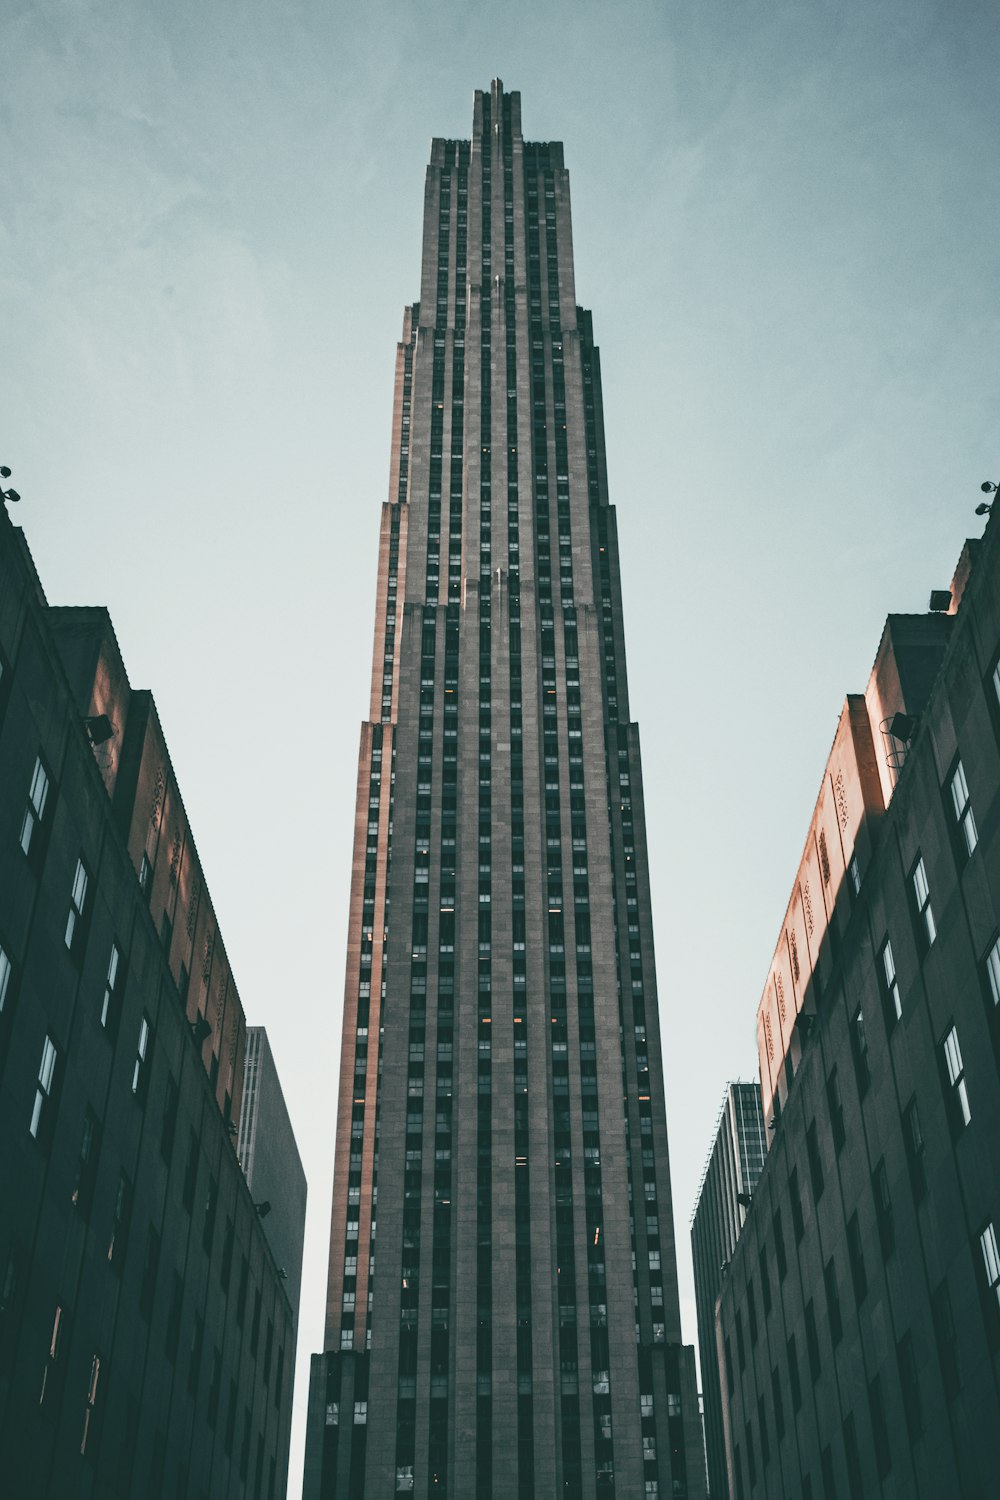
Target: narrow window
x=815 y=1161
x=77 y=905
x=909 y=1381
x=946 y=1340
x=991 y=1269
x=6 y=969
x=991 y=965
x=90 y=1413
x=150 y=1267
x=51 y=1369
x=34 y=813
x=891 y=1000
x=965 y=821
x=926 y=928
x=883 y=1210
x=856 y=1255
x=145 y=875
x=111 y=1003
x=855 y=870
x=44 y=1106
x=880 y=1431
x=86 y=1166
x=118 y=1240
x=779 y=1245
x=836 y=1108
x=956 y=1091
x=913 y=1141
x=140 y=1068
x=812 y=1341
x=779 y=1406
x=794 y=1382
x=859 y=1052
x=833 y=1302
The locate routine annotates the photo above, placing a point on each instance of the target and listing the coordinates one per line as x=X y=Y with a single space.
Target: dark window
x=54 y=1366
x=854 y=1480
x=815 y=1162
x=833 y=1302
x=765 y=1283
x=829 y=1486
x=880 y=1432
x=751 y=1313
x=86 y=1164
x=836 y=1108
x=214 y=1389
x=150 y=1266
x=779 y=1406
x=946 y=1340
x=913 y=1141
x=794 y=1383
x=194 y=1358
x=779 y=1245
x=168 y=1128
x=174 y=1318
x=859 y=1052
x=812 y=1341
x=856 y=1255
x=765 y=1442
x=211 y=1209
x=740 y=1346
x=191 y=1171
x=883 y=1210
x=989 y=1279
x=730 y=1377
x=795 y=1202
x=120 y=1224
x=909 y=1381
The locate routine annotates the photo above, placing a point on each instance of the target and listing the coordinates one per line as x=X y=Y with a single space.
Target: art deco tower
x=512 y=1328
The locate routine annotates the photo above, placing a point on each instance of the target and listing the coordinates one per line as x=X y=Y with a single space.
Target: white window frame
x=34 y=813
x=46 y=1083
x=891 y=979
x=962 y=808
x=77 y=902
x=922 y=896
x=956 y=1073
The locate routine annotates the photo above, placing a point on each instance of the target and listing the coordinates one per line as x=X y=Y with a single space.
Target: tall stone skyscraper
x=513 y=1327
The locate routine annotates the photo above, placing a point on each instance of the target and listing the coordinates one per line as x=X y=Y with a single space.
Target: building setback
x=514 y=1326
x=271 y=1162
x=730 y=1177
x=859 y=1323
x=146 y=1339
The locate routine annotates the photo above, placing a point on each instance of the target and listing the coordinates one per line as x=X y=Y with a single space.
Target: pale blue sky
x=786 y=223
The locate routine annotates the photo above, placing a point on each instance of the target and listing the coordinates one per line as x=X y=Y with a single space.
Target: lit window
x=360 y=1413
x=958 y=1094
x=922 y=897
x=145 y=875
x=962 y=808
x=48 y=1373
x=35 y=810
x=855 y=870
x=109 y=1005
x=140 y=1071
x=90 y=1411
x=77 y=902
x=992 y=973
x=893 y=1003
x=5 y=973
x=991 y=1263
x=42 y=1110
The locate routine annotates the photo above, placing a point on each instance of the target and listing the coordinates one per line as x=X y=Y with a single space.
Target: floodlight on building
x=940 y=601
x=201 y=1030
x=7 y=494
x=901 y=727
x=263 y=1209
x=100 y=728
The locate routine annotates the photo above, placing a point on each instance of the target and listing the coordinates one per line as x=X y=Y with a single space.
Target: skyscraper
x=513 y=1327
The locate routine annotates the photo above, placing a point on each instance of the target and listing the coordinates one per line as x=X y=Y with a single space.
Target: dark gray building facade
x=146 y=1339
x=513 y=1327
x=859 y=1323
x=730 y=1178
x=271 y=1163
